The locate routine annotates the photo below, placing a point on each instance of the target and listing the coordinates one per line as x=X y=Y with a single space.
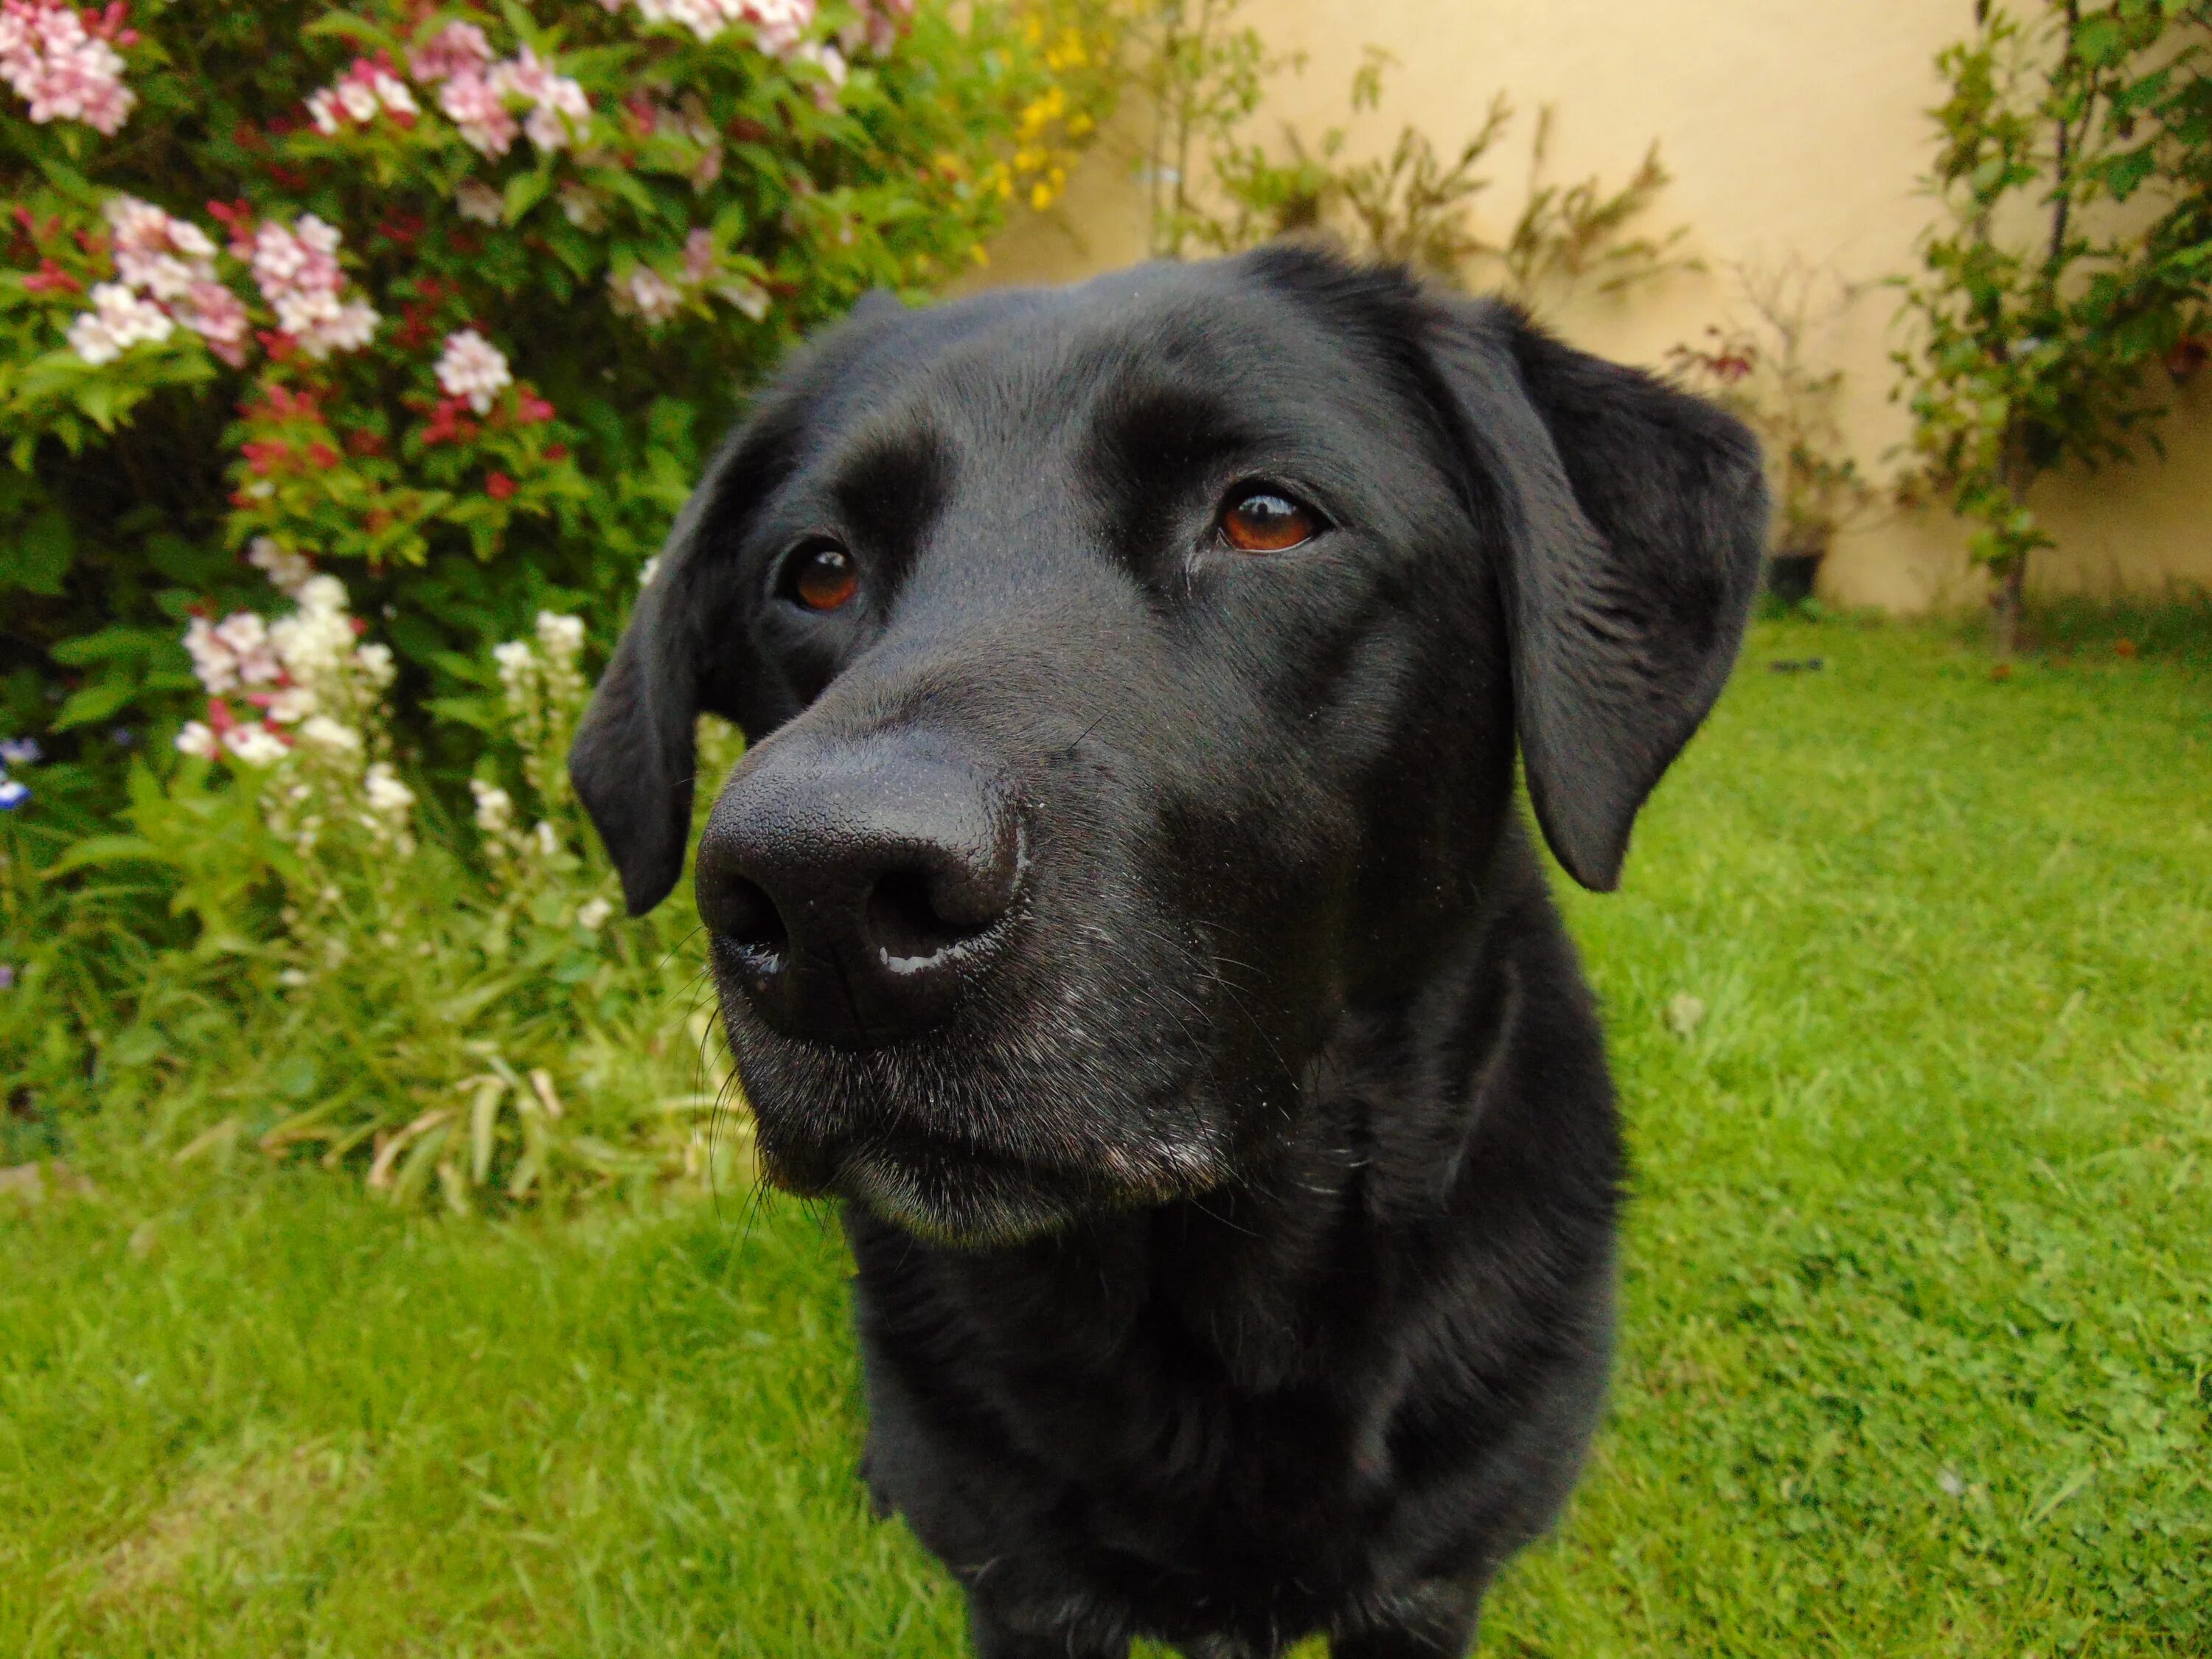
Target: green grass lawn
x=1910 y=993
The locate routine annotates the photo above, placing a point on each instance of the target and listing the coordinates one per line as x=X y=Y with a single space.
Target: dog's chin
x=965 y=1209
x=967 y=1199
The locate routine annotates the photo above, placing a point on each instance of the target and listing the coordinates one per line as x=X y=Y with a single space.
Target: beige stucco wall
x=1792 y=127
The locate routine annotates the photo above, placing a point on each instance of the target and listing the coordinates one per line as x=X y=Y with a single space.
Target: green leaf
x=346 y=26
x=39 y=555
x=2100 y=42
x=89 y=704
x=112 y=644
x=525 y=190
x=101 y=850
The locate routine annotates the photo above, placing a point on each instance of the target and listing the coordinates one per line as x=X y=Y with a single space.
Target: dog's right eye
x=820 y=575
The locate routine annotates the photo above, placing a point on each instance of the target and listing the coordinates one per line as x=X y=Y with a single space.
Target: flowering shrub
x=443 y=296
x=353 y=359
x=446 y=1007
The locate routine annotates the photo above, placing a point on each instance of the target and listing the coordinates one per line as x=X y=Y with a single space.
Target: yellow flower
x=1040 y=195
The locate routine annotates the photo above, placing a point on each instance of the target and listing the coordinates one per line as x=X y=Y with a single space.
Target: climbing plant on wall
x=2064 y=285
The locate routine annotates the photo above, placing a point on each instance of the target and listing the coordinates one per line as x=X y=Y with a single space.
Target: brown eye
x=821 y=578
x=1265 y=522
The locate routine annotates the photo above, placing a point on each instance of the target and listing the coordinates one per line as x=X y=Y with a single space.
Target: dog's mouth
x=1056 y=1092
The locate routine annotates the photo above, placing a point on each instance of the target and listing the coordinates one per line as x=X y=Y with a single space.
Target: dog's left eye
x=1267 y=521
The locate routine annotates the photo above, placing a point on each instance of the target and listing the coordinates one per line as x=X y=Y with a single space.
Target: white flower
x=321 y=594
x=324 y=733
x=360 y=102
x=395 y=95
x=383 y=792
x=549 y=842
x=582 y=207
x=562 y=636
x=480 y=201
x=592 y=913
x=197 y=739
x=516 y=660
x=494 y=806
x=312 y=644
x=647 y=294
x=375 y=662
x=257 y=745
x=211 y=659
x=350 y=329
x=831 y=62
x=246 y=635
x=290 y=705
x=751 y=299
x=119 y=319
x=473 y=369
x=286 y=570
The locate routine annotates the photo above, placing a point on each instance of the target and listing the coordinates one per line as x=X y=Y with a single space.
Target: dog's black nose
x=854 y=892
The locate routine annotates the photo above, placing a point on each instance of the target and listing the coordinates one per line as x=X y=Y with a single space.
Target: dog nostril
x=906 y=920
x=742 y=912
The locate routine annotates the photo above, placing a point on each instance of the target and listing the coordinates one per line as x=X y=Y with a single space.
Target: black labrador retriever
x=1124 y=907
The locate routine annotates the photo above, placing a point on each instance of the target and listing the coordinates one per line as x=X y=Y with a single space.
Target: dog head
x=1133 y=674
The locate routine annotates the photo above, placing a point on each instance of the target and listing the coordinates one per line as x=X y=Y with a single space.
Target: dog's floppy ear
x=634 y=756
x=1633 y=516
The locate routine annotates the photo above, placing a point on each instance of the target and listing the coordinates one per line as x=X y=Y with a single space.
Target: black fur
x=1235 y=1257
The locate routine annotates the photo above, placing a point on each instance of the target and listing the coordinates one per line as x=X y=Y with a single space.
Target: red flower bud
x=499 y=486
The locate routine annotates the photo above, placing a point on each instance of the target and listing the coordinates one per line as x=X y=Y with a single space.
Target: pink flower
x=499 y=486
x=476 y=107
x=156 y=253
x=170 y=262
x=217 y=316
x=698 y=255
x=230 y=654
x=370 y=87
x=778 y=25
x=62 y=68
x=297 y=269
x=560 y=111
x=882 y=23
x=457 y=49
